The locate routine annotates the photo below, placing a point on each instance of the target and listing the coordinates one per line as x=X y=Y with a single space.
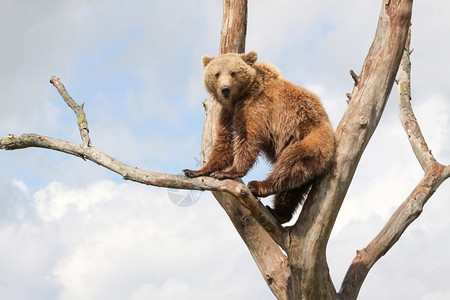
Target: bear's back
x=287 y=98
x=268 y=70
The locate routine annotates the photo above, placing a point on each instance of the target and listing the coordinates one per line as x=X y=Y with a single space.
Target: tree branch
x=405 y=214
x=407 y=118
x=412 y=207
x=354 y=77
x=14 y=142
x=85 y=151
x=77 y=109
x=233 y=187
x=360 y=120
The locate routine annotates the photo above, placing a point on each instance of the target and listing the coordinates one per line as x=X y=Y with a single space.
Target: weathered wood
x=368 y=99
x=412 y=207
x=407 y=117
x=234 y=26
x=128 y=172
x=405 y=214
x=77 y=109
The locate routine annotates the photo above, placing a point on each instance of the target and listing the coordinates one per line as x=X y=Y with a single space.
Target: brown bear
x=263 y=113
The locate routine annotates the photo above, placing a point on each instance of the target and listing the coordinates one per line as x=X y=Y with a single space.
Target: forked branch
x=86 y=151
x=411 y=208
x=405 y=214
x=409 y=121
x=77 y=109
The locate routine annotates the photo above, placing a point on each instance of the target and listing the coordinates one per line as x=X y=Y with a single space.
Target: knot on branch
x=363 y=122
x=355 y=77
x=349 y=96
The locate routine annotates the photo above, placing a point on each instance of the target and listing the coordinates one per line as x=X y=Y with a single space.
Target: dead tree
x=301 y=272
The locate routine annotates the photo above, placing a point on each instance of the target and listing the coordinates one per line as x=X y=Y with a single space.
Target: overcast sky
x=72 y=230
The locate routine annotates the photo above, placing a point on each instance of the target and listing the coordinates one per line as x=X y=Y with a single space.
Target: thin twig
x=355 y=77
x=77 y=109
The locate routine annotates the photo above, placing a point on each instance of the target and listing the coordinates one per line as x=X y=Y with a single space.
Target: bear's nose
x=225 y=91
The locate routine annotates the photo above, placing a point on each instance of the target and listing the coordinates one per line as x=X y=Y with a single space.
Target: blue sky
x=72 y=230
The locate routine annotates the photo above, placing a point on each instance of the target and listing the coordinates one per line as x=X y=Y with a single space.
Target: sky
x=70 y=229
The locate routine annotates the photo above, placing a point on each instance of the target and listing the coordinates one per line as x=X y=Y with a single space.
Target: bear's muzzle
x=225 y=91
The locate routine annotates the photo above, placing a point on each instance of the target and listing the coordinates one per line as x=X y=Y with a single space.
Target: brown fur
x=263 y=113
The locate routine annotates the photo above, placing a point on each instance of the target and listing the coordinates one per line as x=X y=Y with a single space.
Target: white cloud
x=55 y=201
x=80 y=242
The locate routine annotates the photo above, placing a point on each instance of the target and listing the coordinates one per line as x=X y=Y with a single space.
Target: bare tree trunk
x=265 y=251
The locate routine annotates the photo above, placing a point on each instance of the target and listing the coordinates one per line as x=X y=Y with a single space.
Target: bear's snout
x=226 y=91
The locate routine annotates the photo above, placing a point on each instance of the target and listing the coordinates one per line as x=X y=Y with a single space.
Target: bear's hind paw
x=260 y=188
x=223 y=175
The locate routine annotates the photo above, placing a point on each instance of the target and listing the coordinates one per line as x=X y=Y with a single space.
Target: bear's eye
x=233 y=74
x=217 y=75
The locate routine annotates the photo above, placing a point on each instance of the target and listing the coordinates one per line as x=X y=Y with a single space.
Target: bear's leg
x=286 y=202
x=222 y=153
x=296 y=166
x=246 y=152
x=220 y=158
x=241 y=165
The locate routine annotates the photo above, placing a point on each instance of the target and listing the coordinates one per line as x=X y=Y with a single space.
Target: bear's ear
x=206 y=60
x=250 y=58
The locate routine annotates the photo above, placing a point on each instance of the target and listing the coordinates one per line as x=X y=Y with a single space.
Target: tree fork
x=360 y=120
x=411 y=208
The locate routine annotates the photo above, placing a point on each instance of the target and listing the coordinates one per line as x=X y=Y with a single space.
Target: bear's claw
x=189 y=173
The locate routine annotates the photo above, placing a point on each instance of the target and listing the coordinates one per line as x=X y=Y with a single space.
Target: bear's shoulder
x=268 y=70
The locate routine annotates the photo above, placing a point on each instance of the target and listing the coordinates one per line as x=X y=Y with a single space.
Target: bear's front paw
x=260 y=188
x=192 y=173
x=189 y=173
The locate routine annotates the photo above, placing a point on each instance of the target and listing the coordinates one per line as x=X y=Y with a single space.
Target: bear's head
x=228 y=76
